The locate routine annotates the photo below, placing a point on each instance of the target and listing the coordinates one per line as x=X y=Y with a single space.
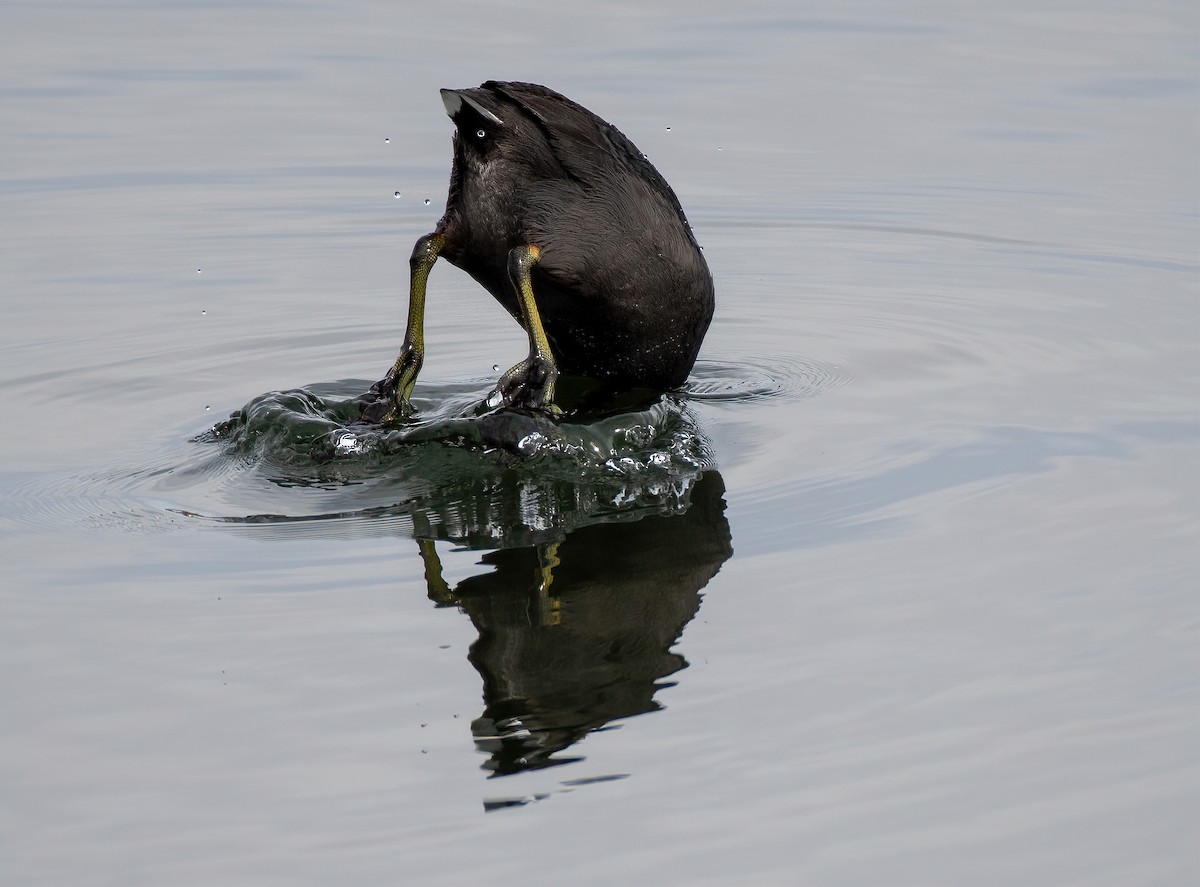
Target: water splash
x=488 y=479
x=301 y=461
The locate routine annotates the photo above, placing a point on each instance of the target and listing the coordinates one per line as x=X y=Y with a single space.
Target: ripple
x=747 y=380
x=300 y=462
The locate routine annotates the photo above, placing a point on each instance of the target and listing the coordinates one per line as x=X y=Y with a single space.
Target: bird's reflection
x=578 y=633
x=601 y=530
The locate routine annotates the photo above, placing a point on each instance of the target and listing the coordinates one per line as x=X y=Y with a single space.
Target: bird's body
x=560 y=217
x=622 y=287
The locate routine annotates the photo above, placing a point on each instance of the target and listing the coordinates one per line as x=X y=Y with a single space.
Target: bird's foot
x=389 y=399
x=527 y=386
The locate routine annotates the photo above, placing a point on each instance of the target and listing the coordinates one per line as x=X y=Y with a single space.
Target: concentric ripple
x=302 y=461
x=760 y=378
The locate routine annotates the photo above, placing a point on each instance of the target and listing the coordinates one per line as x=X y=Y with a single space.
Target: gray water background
x=956 y=643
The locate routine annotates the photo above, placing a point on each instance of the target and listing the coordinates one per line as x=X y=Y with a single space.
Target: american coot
x=568 y=225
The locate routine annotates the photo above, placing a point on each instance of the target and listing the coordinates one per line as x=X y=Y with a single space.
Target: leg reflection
x=578 y=633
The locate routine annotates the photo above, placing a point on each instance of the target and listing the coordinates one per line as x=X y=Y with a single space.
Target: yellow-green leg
x=548 y=605
x=439 y=591
x=531 y=382
x=397 y=385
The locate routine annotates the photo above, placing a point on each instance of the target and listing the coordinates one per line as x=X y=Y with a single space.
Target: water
x=901 y=590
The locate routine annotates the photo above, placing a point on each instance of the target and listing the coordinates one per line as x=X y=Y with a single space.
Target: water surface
x=901 y=589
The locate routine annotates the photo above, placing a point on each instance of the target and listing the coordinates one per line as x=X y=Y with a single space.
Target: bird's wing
x=580 y=237
x=591 y=150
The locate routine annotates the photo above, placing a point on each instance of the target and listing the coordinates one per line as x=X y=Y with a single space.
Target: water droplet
x=527 y=446
x=427 y=201
x=397 y=195
x=480 y=134
x=385 y=141
x=494 y=400
x=346 y=442
x=199 y=270
x=718 y=147
x=207 y=408
x=202 y=311
x=495 y=368
x=668 y=129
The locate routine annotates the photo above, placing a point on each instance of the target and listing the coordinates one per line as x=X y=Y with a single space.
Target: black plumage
x=560 y=217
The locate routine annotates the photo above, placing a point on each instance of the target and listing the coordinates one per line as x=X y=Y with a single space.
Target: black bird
x=568 y=225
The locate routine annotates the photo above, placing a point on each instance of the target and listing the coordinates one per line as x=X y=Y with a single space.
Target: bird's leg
x=530 y=383
x=396 y=388
x=548 y=605
x=439 y=591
